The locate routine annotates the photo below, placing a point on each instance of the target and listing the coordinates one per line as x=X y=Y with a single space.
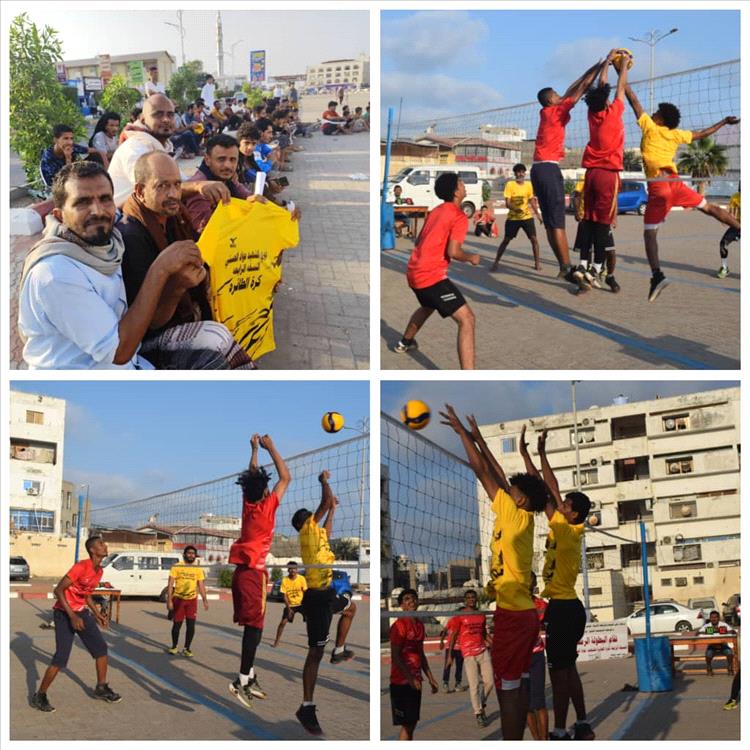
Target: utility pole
x=652 y=38
x=181 y=29
x=584 y=561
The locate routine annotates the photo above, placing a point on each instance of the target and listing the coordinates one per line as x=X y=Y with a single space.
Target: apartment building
x=335 y=73
x=673 y=463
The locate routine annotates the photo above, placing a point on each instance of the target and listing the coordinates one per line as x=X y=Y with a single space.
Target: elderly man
x=73 y=312
x=182 y=334
x=155 y=128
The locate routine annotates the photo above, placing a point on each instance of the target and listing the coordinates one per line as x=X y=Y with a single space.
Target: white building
x=673 y=463
x=37 y=434
x=336 y=73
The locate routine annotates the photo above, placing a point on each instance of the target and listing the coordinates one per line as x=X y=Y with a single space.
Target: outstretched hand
x=473 y=427
x=523 y=446
x=255 y=441
x=732 y=120
x=266 y=442
x=450 y=419
x=541 y=443
x=324 y=476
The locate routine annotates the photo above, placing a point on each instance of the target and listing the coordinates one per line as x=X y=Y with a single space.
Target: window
x=509 y=445
x=31 y=487
x=665 y=609
x=595 y=560
x=32 y=520
x=148 y=563
x=588 y=476
x=596 y=591
x=683 y=509
x=418 y=178
x=675 y=422
x=634 y=510
x=468 y=178
x=680 y=582
x=34 y=417
x=687 y=553
x=683 y=465
x=123 y=563
x=631 y=469
x=585 y=435
x=697 y=580
x=32 y=450
x=666 y=581
x=168 y=562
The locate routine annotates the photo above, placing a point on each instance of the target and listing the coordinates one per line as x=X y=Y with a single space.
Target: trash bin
x=387 y=234
x=654 y=674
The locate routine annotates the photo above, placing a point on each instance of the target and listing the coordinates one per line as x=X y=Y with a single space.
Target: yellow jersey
x=562 y=561
x=659 y=145
x=518 y=196
x=512 y=553
x=186 y=579
x=294 y=589
x=313 y=540
x=735 y=206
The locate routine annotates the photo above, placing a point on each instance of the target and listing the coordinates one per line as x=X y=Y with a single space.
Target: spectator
x=207 y=92
x=132 y=123
x=359 y=121
x=484 y=222
x=73 y=312
x=264 y=153
x=104 y=137
x=715 y=626
x=293 y=96
x=333 y=124
x=64 y=151
x=182 y=334
x=217 y=116
x=341 y=96
x=152 y=85
x=186 y=139
x=401 y=221
x=248 y=138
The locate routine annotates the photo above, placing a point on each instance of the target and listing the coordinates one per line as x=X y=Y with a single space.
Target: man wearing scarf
x=73 y=312
x=182 y=334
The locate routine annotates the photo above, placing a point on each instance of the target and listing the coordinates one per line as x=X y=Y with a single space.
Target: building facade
x=673 y=463
x=37 y=436
x=105 y=66
x=336 y=73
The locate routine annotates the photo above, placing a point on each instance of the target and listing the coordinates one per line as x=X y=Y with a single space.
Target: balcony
x=635 y=489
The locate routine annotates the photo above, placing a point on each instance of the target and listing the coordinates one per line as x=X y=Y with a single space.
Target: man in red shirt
x=438 y=243
x=546 y=177
x=603 y=160
x=76 y=612
x=408 y=661
x=248 y=553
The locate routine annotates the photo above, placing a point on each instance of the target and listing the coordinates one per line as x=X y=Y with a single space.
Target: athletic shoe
x=482 y=720
x=446 y=688
x=308 y=719
x=582 y=731
x=730 y=705
x=569 y=275
x=242 y=692
x=566 y=736
x=402 y=347
x=461 y=688
x=583 y=278
x=609 y=280
x=596 y=278
x=563 y=274
x=104 y=692
x=173 y=650
x=344 y=655
x=40 y=702
x=255 y=688
x=187 y=652
x=657 y=286
x=722 y=273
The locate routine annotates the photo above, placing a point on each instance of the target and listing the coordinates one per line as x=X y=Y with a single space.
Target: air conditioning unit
x=594 y=462
x=666 y=540
x=673 y=467
x=670 y=424
x=593 y=505
x=709 y=565
x=585 y=421
x=686 y=511
x=32 y=491
x=599 y=564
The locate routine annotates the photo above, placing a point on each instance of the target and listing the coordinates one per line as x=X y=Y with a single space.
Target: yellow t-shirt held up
x=313 y=540
x=562 y=561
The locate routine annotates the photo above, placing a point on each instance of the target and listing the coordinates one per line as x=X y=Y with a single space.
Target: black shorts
x=549 y=189
x=405 y=705
x=585 y=239
x=289 y=613
x=445 y=297
x=536 y=682
x=564 y=623
x=318 y=608
x=64 y=635
x=513 y=225
x=329 y=128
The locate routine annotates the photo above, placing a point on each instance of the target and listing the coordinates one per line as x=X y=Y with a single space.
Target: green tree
x=37 y=100
x=276 y=574
x=486 y=191
x=345 y=549
x=255 y=95
x=119 y=97
x=704 y=159
x=185 y=84
x=225 y=577
x=631 y=160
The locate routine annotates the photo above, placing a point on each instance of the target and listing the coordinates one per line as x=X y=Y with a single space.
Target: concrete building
x=671 y=462
x=68 y=509
x=335 y=73
x=105 y=66
x=494 y=157
x=37 y=435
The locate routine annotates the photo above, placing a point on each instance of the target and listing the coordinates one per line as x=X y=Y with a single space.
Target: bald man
x=155 y=126
x=182 y=334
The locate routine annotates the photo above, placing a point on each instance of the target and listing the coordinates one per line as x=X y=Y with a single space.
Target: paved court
x=173 y=698
x=530 y=320
x=692 y=711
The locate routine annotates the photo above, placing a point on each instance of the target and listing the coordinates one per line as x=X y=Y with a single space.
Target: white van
x=137 y=573
x=418 y=183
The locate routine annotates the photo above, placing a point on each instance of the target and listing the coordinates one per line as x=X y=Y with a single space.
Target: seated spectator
x=63 y=151
x=104 y=137
x=359 y=122
x=401 y=221
x=185 y=141
x=73 y=312
x=247 y=137
x=264 y=154
x=203 y=128
x=484 y=222
x=153 y=86
x=333 y=123
x=259 y=111
x=131 y=124
x=233 y=120
x=216 y=116
x=182 y=334
x=715 y=626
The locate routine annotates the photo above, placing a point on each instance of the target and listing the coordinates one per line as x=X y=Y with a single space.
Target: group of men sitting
x=117 y=281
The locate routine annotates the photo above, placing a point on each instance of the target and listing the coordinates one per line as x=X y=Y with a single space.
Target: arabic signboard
x=257 y=66
x=62 y=74
x=603 y=641
x=92 y=84
x=136 y=76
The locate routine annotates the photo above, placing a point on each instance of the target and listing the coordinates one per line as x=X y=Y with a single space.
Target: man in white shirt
x=152 y=85
x=207 y=92
x=716 y=627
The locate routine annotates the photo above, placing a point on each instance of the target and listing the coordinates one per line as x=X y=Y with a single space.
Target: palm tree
x=703 y=159
x=631 y=161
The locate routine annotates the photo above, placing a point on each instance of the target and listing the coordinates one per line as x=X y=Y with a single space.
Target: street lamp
x=181 y=30
x=652 y=38
x=584 y=561
x=231 y=53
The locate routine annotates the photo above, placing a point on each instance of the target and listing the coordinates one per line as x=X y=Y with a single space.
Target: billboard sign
x=257 y=66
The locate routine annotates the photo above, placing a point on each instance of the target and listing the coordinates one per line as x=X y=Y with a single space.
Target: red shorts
x=600 y=188
x=249 y=596
x=663 y=196
x=184 y=609
x=513 y=641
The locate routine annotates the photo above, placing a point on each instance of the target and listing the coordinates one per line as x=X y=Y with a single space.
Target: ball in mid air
x=332 y=421
x=415 y=414
x=624 y=56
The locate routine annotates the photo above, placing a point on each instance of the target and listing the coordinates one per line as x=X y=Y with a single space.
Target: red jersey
x=471 y=634
x=606 y=138
x=85 y=579
x=550 y=138
x=541 y=607
x=429 y=260
x=407 y=632
x=258 y=523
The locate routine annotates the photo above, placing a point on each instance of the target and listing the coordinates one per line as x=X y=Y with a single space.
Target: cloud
x=429 y=40
x=80 y=420
x=108 y=489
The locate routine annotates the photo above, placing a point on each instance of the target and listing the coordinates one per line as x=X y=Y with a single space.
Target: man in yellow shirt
x=731 y=235
x=321 y=601
x=659 y=143
x=293 y=587
x=520 y=202
x=516 y=625
x=186 y=579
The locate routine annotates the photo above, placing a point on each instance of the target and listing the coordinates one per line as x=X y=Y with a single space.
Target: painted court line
x=623 y=340
x=631 y=718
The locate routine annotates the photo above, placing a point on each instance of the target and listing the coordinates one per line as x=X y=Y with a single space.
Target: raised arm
x=328 y=522
x=698 y=134
x=284 y=476
x=634 y=103
x=555 y=499
x=578 y=87
x=487 y=455
x=326 y=496
x=523 y=449
x=622 y=82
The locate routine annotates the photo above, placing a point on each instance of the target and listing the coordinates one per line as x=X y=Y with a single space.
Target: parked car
x=139 y=573
x=666 y=617
x=730 y=612
x=19 y=569
x=705 y=604
x=276 y=595
x=418 y=183
x=632 y=197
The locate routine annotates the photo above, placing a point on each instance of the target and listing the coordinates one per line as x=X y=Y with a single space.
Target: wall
x=47 y=556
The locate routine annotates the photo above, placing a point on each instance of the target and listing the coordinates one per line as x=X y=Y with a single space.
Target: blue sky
x=507 y=400
x=450 y=62
x=133 y=439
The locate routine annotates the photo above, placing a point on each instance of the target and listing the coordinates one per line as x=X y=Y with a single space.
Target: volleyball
x=623 y=55
x=332 y=421
x=415 y=415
